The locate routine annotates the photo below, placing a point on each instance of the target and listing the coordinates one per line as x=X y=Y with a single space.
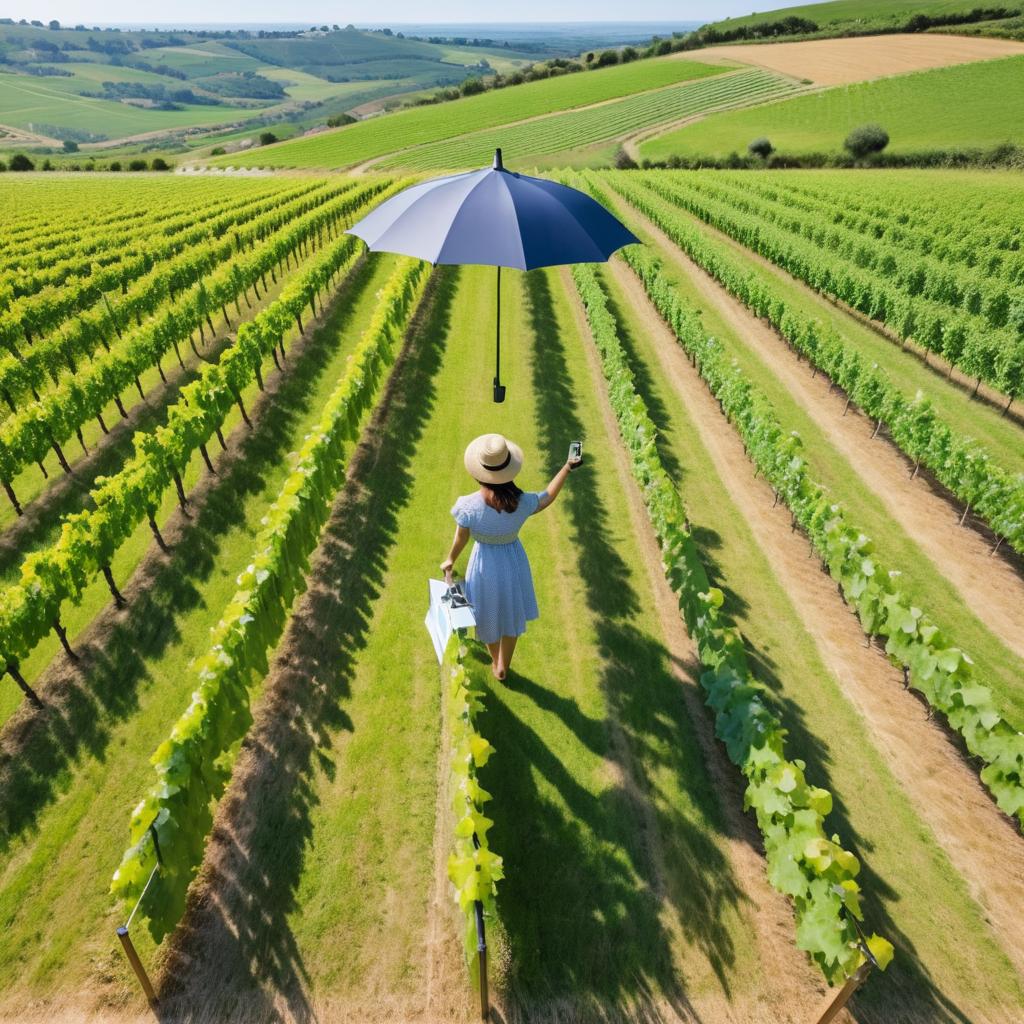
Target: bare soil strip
x=926 y=511
x=860 y=59
x=944 y=789
x=791 y=984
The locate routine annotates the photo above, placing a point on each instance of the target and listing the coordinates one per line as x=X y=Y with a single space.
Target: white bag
x=449 y=610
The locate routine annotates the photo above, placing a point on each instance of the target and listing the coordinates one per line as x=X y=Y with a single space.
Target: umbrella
x=496 y=218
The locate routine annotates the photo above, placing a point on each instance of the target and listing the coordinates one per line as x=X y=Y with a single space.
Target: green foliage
x=959 y=463
x=49 y=577
x=865 y=140
x=934 y=665
x=963 y=315
x=194 y=765
x=761 y=147
x=159 y=164
x=803 y=862
x=267 y=138
x=474 y=869
x=20 y=162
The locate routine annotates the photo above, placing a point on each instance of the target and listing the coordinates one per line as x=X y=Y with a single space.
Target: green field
x=565 y=133
x=915 y=109
x=373 y=138
x=32 y=103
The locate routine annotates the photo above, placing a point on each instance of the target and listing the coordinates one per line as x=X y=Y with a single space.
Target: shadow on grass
x=234 y=957
x=906 y=992
x=589 y=875
x=84 y=702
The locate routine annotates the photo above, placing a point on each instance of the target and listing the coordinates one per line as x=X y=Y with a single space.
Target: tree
x=629 y=53
x=70 y=146
x=137 y=165
x=761 y=147
x=266 y=138
x=160 y=164
x=608 y=57
x=471 y=86
x=20 y=162
x=867 y=139
x=115 y=165
x=590 y=57
x=54 y=25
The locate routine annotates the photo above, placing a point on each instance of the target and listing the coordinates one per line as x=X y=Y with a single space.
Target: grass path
x=67 y=798
x=922 y=578
x=835 y=698
x=621 y=895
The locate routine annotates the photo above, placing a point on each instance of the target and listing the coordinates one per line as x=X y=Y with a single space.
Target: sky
x=92 y=12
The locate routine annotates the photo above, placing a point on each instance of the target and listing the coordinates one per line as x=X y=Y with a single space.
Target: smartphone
x=576 y=451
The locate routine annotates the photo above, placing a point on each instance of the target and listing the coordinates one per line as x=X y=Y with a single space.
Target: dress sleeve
x=462 y=515
x=538 y=497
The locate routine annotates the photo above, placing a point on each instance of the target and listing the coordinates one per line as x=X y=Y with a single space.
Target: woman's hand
x=446 y=567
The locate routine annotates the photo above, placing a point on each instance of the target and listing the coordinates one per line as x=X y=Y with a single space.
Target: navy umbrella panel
x=494 y=217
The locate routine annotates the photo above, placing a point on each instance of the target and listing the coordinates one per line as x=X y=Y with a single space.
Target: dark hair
x=503 y=497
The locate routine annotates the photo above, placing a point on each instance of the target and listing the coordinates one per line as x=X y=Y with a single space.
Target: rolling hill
x=915 y=109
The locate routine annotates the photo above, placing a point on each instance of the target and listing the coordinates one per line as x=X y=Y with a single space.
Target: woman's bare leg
x=506 y=649
x=494 y=649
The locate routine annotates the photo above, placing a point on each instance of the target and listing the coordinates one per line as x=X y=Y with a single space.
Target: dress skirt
x=499 y=586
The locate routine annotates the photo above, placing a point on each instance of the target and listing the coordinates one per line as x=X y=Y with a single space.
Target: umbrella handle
x=499 y=388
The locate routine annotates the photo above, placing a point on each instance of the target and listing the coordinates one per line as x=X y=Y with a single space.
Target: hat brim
x=475 y=467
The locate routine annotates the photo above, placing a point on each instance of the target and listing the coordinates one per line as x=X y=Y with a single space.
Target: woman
x=498 y=580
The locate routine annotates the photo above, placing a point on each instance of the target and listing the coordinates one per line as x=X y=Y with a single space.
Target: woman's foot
x=498 y=673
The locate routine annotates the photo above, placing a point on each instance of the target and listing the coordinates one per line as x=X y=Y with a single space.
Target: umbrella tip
x=498 y=165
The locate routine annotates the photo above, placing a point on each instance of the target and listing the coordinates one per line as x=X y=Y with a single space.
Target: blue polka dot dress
x=498 y=580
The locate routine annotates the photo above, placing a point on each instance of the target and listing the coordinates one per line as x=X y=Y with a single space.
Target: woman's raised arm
x=557 y=482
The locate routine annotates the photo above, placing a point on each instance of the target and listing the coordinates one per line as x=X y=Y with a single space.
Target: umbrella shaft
x=497 y=335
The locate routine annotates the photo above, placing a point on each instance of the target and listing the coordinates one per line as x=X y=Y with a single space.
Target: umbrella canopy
x=494 y=217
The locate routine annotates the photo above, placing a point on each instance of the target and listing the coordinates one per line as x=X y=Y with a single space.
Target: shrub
x=471 y=86
x=20 y=162
x=761 y=147
x=70 y=146
x=160 y=164
x=340 y=119
x=3 y=166
x=867 y=139
x=629 y=53
x=48 y=165
x=137 y=165
x=218 y=151
x=607 y=57
x=266 y=138
x=115 y=165
x=623 y=161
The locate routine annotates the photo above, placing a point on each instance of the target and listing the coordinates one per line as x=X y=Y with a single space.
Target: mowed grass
x=581 y=128
x=920 y=578
x=68 y=801
x=912 y=893
x=970 y=105
x=596 y=762
x=379 y=136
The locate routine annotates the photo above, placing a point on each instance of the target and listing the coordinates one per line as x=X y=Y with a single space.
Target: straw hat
x=493 y=459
